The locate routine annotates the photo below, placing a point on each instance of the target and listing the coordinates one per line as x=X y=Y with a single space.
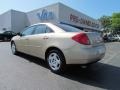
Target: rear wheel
x=13 y=48
x=56 y=61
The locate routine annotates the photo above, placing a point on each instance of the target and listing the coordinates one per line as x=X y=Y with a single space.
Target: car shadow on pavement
x=99 y=75
x=32 y=59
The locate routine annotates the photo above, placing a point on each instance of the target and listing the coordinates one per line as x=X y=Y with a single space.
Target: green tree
x=116 y=22
x=106 y=22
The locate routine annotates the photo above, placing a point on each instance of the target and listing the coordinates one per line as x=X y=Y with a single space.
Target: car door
x=36 y=42
x=23 y=42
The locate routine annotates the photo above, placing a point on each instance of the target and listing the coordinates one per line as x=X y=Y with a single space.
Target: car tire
x=56 y=61
x=13 y=48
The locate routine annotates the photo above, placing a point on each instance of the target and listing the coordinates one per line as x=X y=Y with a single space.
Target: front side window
x=28 y=31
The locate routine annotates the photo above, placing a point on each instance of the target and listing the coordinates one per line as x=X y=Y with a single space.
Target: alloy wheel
x=54 y=61
x=13 y=47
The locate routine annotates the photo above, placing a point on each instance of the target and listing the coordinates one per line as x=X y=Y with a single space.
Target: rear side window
x=49 y=30
x=68 y=28
x=40 y=29
x=9 y=33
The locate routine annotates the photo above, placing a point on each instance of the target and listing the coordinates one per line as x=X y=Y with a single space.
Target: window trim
x=46 y=26
x=49 y=29
x=36 y=27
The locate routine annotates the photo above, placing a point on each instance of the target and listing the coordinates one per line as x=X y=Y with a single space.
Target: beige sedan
x=59 y=45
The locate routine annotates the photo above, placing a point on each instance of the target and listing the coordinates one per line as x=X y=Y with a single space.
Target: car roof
x=52 y=26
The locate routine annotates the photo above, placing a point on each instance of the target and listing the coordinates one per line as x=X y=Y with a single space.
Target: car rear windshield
x=68 y=28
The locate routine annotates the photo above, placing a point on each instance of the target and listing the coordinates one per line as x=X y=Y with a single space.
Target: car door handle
x=45 y=38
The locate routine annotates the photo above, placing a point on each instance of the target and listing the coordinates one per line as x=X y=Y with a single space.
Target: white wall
x=64 y=16
x=13 y=21
x=5 y=21
x=18 y=21
x=33 y=18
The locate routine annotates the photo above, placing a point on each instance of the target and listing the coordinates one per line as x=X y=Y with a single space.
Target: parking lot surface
x=24 y=72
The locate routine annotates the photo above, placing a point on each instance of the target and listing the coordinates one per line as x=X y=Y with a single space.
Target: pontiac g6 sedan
x=59 y=45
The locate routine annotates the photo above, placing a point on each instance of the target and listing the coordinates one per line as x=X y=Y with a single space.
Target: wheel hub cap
x=13 y=48
x=54 y=61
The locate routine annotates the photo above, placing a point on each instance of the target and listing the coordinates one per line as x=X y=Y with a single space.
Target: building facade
x=57 y=13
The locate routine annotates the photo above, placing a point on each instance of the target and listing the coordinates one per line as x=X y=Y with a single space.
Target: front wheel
x=56 y=61
x=13 y=48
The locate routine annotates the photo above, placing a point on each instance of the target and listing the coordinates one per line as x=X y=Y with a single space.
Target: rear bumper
x=84 y=55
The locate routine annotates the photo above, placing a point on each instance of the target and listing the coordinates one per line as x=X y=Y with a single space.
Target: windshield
x=68 y=28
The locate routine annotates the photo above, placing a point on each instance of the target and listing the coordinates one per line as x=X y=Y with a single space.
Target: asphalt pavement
x=24 y=72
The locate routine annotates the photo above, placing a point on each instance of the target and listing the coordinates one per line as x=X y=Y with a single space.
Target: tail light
x=81 y=38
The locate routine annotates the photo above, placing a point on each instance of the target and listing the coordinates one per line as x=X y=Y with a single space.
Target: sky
x=93 y=8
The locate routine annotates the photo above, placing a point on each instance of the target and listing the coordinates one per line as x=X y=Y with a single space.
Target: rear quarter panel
x=59 y=40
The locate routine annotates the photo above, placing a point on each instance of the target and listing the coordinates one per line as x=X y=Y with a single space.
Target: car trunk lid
x=95 y=38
